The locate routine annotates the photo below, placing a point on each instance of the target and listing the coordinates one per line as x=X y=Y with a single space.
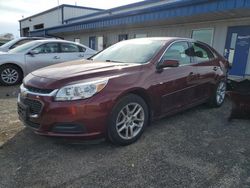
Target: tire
x=10 y=75
x=128 y=120
x=218 y=96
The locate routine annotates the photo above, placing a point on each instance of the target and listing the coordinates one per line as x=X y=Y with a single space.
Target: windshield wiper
x=108 y=60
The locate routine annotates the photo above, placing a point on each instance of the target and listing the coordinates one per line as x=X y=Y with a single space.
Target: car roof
x=58 y=40
x=31 y=38
x=165 y=38
x=49 y=40
x=172 y=39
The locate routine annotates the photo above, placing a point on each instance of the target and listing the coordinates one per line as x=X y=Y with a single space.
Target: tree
x=9 y=36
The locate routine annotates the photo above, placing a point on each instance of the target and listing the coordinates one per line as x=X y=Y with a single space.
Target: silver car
x=20 y=61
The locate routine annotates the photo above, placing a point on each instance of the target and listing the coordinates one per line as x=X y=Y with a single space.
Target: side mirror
x=33 y=52
x=168 y=63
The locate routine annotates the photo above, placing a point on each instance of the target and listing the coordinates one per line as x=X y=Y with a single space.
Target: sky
x=13 y=10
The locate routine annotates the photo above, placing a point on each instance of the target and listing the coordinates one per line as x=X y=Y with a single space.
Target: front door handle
x=81 y=55
x=56 y=57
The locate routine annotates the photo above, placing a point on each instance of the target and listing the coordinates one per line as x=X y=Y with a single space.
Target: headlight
x=80 y=91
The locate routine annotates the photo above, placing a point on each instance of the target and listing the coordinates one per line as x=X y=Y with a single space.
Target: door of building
x=237 y=50
x=122 y=37
x=92 y=42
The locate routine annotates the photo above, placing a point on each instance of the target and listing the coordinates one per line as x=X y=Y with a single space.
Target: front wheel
x=219 y=94
x=128 y=120
x=10 y=75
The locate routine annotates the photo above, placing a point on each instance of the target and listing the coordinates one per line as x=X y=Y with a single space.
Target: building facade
x=224 y=24
x=54 y=17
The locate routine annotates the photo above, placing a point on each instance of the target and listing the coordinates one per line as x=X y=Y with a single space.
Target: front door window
x=179 y=52
x=47 y=48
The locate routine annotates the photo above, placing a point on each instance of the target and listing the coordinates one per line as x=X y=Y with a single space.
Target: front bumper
x=83 y=118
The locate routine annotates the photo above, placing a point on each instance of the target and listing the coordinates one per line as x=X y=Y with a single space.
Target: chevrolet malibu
x=117 y=92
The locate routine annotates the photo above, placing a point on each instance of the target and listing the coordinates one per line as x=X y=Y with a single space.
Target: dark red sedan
x=118 y=91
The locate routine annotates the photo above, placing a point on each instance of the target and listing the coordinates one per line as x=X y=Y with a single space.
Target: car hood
x=76 y=71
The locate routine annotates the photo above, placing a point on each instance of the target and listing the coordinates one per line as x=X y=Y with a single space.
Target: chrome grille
x=35 y=106
x=38 y=90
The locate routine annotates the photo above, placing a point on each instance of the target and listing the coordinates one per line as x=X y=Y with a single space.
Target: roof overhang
x=178 y=12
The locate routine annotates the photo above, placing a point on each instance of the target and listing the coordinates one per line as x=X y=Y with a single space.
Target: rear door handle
x=56 y=57
x=215 y=68
x=81 y=55
x=191 y=76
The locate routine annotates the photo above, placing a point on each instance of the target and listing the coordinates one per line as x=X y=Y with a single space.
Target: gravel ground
x=9 y=123
x=196 y=148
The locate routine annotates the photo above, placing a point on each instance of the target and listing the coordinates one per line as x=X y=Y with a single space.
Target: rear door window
x=201 y=53
x=81 y=49
x=69 y=48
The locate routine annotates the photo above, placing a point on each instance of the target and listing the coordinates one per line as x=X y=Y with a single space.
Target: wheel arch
x=141 y=92
x=14 y=64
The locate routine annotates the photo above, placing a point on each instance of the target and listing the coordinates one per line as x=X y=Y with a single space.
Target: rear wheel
x=10 y=75
x=219 y=94
x=128 y=120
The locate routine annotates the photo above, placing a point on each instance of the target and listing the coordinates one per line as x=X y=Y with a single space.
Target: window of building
x=202 y=53
x=38 y=26
x=203 y=35
x=47 y=48
x=100 y=41
x=77 y=40
x=122 y=37
x=69 y=48
x=140 y=35
x=179 y=52
x=26 y=31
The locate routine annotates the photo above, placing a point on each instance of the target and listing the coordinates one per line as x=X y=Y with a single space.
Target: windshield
x=131 y=51
x=22 y=48
x=10 y=43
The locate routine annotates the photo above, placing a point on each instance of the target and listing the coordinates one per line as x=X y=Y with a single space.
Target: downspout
x=62 y=10
x=20 y=30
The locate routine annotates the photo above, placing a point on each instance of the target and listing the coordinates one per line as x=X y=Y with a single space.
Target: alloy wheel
x=221 y=92
x=9 y=76
x=130 y=121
